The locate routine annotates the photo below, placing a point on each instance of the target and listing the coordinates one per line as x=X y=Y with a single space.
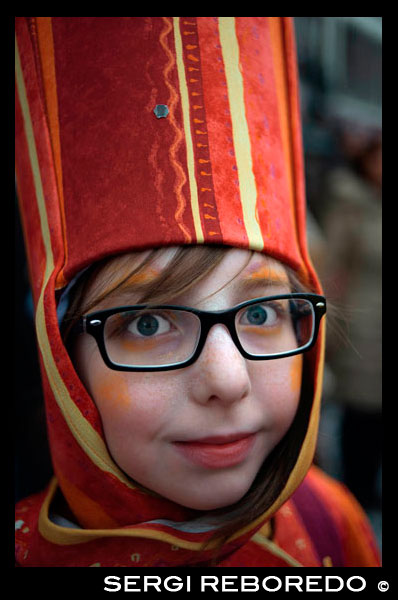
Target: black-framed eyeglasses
x=166 y=337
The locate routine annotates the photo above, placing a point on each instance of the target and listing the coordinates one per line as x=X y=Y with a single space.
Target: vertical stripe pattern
x=85 y=435
x=45 y=41
x=247 y=183
x=187 y=129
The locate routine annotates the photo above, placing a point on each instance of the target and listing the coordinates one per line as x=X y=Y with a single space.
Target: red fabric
x=118 y=159
x=291 y=537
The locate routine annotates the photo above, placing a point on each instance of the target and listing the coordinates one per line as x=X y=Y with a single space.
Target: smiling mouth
x=217 y=452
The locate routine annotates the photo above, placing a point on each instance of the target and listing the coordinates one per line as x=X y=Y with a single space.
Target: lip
x=217 y=452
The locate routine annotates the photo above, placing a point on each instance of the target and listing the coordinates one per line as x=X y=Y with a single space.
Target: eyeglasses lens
x=275 y=326
x=151 y=337
x=156 y=337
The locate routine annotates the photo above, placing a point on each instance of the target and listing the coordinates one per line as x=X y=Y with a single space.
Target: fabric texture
x=99 y=174
x=344 y=538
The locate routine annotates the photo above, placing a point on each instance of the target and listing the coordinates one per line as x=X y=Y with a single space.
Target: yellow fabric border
x=67 y=536
x=46 y=46
x=275 y=550
x=85 y=435
x=240 y=130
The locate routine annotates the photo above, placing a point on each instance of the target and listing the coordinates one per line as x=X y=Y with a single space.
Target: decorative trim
x=187 y=130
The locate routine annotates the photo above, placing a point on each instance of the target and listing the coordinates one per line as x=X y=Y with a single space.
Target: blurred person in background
x=352 y=277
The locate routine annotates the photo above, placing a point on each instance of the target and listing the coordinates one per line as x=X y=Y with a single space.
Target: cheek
x=111 y=394
x=278 y=384
x=280 y=377
x=133 y=405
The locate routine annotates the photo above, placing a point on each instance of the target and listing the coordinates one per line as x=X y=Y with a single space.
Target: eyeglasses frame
x=94 y=325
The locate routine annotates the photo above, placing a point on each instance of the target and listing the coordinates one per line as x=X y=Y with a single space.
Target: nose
x=220 y=373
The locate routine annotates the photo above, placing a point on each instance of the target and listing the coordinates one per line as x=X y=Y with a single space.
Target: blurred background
x=340 y=61
x=340 y=79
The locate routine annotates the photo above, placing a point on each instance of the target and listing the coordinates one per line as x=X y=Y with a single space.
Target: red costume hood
x=103 y=168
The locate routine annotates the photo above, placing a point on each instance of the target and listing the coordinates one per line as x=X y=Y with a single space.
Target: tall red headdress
x=139 y=132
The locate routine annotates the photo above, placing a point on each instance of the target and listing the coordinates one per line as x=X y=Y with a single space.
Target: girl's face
x=199 y=435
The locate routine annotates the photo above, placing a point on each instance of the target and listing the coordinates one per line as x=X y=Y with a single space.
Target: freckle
x=296 y=372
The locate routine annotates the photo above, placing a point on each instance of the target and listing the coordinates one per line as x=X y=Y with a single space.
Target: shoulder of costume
x=27 y=513
x=352 y=523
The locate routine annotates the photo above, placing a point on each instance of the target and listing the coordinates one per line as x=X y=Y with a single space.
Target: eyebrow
x=264 y=277
x=251 y=285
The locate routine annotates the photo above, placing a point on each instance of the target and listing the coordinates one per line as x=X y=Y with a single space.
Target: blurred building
x=340 y=62
x=340 y=66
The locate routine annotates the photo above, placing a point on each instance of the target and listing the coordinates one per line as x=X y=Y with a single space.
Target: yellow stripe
x=274 y=549
x=240 y=130
x=67 y=536
x=187 y=129
x=46 y=45
x=86 y=436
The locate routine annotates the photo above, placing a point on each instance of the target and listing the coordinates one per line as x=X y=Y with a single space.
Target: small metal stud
x=161 y=111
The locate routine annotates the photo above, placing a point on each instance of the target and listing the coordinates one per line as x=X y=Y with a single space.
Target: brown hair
x=186 y=268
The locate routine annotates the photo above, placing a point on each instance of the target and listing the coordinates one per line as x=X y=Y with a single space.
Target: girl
x=179 y=320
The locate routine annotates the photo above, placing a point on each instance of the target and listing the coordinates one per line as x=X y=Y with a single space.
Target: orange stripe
x=88 y=512
x=46 y=47
x=179 y=135
x=277 y=44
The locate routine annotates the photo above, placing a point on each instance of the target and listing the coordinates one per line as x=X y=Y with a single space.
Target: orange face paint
x=141 y=344
x=256 y=330
x=296 y=369
x=113 y=390
x=267 y=272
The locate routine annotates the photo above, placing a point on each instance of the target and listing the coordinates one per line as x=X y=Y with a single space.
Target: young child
x=180 y=323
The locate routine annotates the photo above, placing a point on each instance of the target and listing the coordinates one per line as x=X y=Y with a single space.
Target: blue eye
x=260 y=315
x=149 y=325
x=256 y=315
